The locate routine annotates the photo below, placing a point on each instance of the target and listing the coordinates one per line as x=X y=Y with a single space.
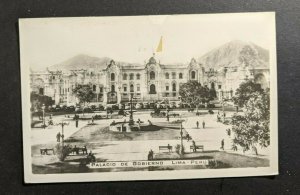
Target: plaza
x=131 y=146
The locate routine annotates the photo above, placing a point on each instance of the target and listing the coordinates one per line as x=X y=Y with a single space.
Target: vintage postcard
x=149 y=97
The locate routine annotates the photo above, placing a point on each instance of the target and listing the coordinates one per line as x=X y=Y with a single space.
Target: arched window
x=131 y=88
x=152 y=89
x=131 y=76
x=125 y=76
x=173 y=75
x=167 y=75
x=112 y=76
x=193 y=75
x=174 y=87
x=167 y=86
x=180 y=75
x=138 y=76
x=212 y=85
x=94 y=87
x=125 y=88
x=152 y=75
x=112 y=88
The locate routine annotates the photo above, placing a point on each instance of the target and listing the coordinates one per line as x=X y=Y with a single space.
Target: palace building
x=150 y=82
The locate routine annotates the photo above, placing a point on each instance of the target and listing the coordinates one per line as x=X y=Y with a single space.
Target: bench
x=200 y=147
x=44 y=151
x=169 y=148
x=77 y=150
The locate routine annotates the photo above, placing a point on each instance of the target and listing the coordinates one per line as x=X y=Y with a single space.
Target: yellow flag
x=159 y=47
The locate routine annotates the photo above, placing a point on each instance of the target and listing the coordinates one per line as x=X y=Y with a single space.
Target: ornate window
x=112 y=88
x=131 y=88
x=193 y=75
x=173 y=75
x=152 y=89
x=152 y=75
x=138 y=76
x=167 y=87
x=174 y=87
x=167 y=75
x=125 y=76
x=112 y=76
x=180 y=75
x=131 y=76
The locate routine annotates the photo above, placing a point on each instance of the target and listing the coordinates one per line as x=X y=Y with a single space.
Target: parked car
x=146 y=105
x=101 y=107
x=139 y=106
x=115 y=107
x=71 y=108
x=152 y=105
x=93 y=107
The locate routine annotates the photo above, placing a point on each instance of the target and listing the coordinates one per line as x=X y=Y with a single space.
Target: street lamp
x=181 y=139
x=43 y=108
x=62 y=123
x=131 y=122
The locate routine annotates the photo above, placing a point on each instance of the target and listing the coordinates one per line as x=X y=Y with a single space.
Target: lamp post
x=43 y=108
x=131 y=122
x=62 y=123
x=181 y=139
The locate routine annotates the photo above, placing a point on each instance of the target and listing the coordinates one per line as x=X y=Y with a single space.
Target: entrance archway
x=152 y=89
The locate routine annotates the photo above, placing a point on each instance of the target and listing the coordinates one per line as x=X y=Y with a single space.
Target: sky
x=48 y=41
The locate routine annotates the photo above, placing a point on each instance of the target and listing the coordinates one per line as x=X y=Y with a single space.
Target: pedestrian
x=197 y=123
x=76 y=122
x=58 y=137
x=150 y=155
x=203 y=125
x=92 y=119
x=188 y=136
x=194 y=146
x=169 y=147
x=222 y=144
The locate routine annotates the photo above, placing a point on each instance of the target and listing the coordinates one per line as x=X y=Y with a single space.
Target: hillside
x=236 y=53
x=81 y=62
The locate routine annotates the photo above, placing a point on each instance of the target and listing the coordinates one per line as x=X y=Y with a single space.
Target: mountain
x=81 y=62
x=236 y=53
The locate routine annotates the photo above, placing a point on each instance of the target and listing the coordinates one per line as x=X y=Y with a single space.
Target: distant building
x=148 y=83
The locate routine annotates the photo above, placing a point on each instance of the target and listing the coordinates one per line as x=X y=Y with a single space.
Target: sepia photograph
x=149 y=97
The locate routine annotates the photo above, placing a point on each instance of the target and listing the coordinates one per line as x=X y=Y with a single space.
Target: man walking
x=194 y=146
x=203 y=125
x=58 y=137
x=197 y=123
x=222 y=144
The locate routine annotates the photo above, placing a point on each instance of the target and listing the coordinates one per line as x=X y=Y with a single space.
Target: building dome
x=152 y=60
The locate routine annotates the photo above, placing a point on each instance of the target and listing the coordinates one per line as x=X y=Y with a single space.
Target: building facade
x=150 y=82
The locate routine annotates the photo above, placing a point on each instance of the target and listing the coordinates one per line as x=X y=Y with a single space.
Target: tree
x=192 y=92
x=245 y=92
x=252 y=128
x=38 y=100
x=212 y=93
x=84 y=93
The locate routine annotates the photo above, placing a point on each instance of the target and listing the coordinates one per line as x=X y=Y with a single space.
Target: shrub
x=121 y=112
x=179 y=150
x=211 y=106
x=63 y=152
